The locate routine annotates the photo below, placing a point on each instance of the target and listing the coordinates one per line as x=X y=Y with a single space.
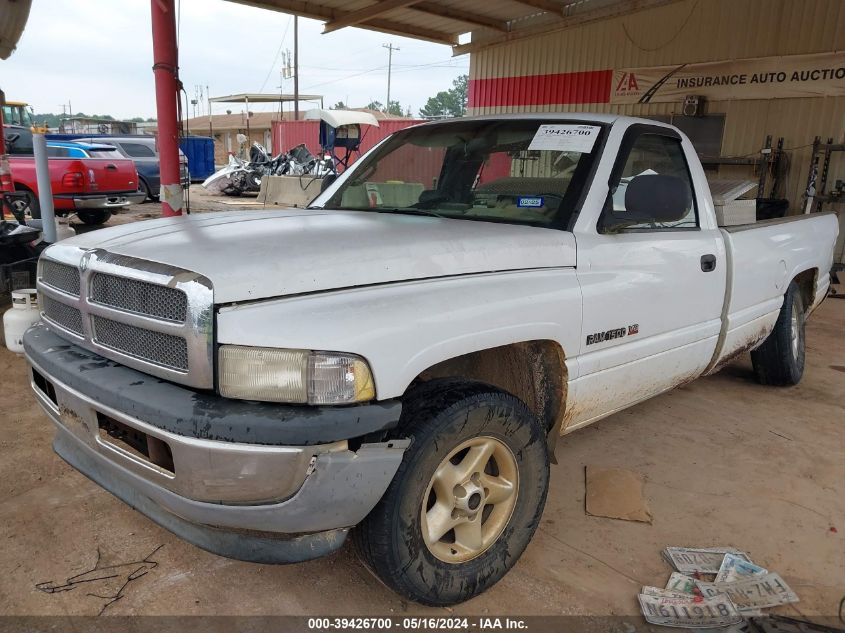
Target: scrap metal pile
x=712 y=588
x=241 y=176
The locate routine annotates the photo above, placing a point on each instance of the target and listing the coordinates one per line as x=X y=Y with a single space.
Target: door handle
x=111 y=166
x=708 y=263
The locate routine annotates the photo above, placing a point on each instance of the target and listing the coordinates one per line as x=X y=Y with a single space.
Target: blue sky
x=97 y=54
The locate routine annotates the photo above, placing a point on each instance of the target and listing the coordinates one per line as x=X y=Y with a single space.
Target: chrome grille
x=140 y=297
x=146 y=315
x=61 y=276
x=66 y=316
x=157 y=347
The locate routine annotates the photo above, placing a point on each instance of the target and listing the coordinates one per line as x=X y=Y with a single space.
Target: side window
x=138 y=150
x=57 y=152
x=653 y=154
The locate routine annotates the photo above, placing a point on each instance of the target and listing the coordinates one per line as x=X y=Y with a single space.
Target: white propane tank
x=63 y=231
x=18 y=319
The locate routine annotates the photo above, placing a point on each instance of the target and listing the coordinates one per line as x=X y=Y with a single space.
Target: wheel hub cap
x=470 y=499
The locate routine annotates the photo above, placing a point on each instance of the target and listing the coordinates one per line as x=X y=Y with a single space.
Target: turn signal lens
x=339 y=379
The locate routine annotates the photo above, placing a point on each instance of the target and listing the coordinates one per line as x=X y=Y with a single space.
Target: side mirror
x=649 y=198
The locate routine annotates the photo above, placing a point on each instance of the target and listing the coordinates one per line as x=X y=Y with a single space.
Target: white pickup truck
x=403 y=355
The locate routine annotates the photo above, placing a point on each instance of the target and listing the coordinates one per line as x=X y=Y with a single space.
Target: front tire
x=780 y=359
x=467 y=497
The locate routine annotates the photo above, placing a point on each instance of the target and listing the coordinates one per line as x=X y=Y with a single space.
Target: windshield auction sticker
x=565 y=138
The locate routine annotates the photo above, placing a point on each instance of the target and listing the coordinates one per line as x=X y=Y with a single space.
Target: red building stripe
x=592 y=86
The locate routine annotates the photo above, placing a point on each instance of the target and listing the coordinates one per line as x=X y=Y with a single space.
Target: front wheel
x=780 y=359
x=467 y=497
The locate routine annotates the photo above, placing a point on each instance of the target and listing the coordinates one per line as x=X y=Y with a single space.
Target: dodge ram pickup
x=401 y=357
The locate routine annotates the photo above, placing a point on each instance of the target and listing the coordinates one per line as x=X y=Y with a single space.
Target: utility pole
x=390 y=48
x=210 y=124
x=295 y=68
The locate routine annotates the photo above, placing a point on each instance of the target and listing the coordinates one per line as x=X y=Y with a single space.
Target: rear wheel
x=144 y=188
x=780 y=359
x=28 y=203
x=93 y=216
x=467 y=497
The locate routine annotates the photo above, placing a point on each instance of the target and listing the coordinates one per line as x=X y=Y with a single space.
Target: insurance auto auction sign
x=816 y=75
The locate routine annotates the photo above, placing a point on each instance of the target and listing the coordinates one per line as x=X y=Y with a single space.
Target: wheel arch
x=807 y=282
x=534 y=371
x=19 y=186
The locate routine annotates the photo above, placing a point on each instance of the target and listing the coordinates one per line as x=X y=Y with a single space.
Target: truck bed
x=762 y=259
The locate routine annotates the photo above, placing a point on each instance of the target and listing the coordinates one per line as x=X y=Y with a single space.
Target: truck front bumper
x=261 y=502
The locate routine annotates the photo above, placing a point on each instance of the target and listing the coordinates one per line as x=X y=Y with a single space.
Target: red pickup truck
x=90 y=187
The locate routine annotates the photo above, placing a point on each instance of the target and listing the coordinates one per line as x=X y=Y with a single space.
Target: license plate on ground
x=703 y=560
x=756 y=592
x=687 y=613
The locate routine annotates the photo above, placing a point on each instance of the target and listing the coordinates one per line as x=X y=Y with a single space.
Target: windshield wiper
x=409 y=211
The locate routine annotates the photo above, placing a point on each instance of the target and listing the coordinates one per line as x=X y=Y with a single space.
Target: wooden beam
x=433 y=8
x=397 y=28
x=367 y=13
x=576 y=19
x=549 y=6
x=321 y=12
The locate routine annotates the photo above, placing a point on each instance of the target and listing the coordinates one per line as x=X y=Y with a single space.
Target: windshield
x=17 y=114
x=518 y=171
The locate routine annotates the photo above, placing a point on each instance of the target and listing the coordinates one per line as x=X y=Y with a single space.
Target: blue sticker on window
x=530 y=203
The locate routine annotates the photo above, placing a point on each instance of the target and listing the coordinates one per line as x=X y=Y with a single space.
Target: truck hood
x=257 y=255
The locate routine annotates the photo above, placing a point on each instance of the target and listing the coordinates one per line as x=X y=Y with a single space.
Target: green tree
x=451 y=103
x=394 y=108
x=340 y=105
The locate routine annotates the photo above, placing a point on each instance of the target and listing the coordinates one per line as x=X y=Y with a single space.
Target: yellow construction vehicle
x=20 y=113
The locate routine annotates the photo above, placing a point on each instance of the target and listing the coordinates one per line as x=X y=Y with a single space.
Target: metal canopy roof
x=263 y=97
x=442 y=21
x=13 y=16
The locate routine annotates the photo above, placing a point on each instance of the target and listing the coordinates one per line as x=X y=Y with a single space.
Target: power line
x=331 y=81
x=276 y=58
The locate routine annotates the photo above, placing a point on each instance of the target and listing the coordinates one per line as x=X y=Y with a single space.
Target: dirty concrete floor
x=725 y=461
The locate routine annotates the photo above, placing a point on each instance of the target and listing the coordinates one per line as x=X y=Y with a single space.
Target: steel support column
x=166 y=72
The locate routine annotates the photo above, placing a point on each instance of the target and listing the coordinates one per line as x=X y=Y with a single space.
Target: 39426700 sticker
x=565 y=137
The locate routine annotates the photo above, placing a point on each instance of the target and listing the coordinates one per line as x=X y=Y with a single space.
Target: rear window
x=110 y=153
x=138 y=150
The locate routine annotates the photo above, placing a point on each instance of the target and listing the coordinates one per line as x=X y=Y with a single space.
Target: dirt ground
x=725 y=461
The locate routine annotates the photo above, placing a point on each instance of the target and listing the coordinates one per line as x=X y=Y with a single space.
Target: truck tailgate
x=762 y=259
x=106 y=175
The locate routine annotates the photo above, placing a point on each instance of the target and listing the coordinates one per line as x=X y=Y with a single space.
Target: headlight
x=291 y=375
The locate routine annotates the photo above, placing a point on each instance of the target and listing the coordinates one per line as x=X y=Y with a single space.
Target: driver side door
x=652 y=291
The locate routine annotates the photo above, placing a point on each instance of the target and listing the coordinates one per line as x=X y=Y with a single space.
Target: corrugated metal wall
x=688 y=32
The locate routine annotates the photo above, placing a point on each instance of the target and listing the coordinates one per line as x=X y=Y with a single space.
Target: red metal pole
x=165 y=70
x=6 y=184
